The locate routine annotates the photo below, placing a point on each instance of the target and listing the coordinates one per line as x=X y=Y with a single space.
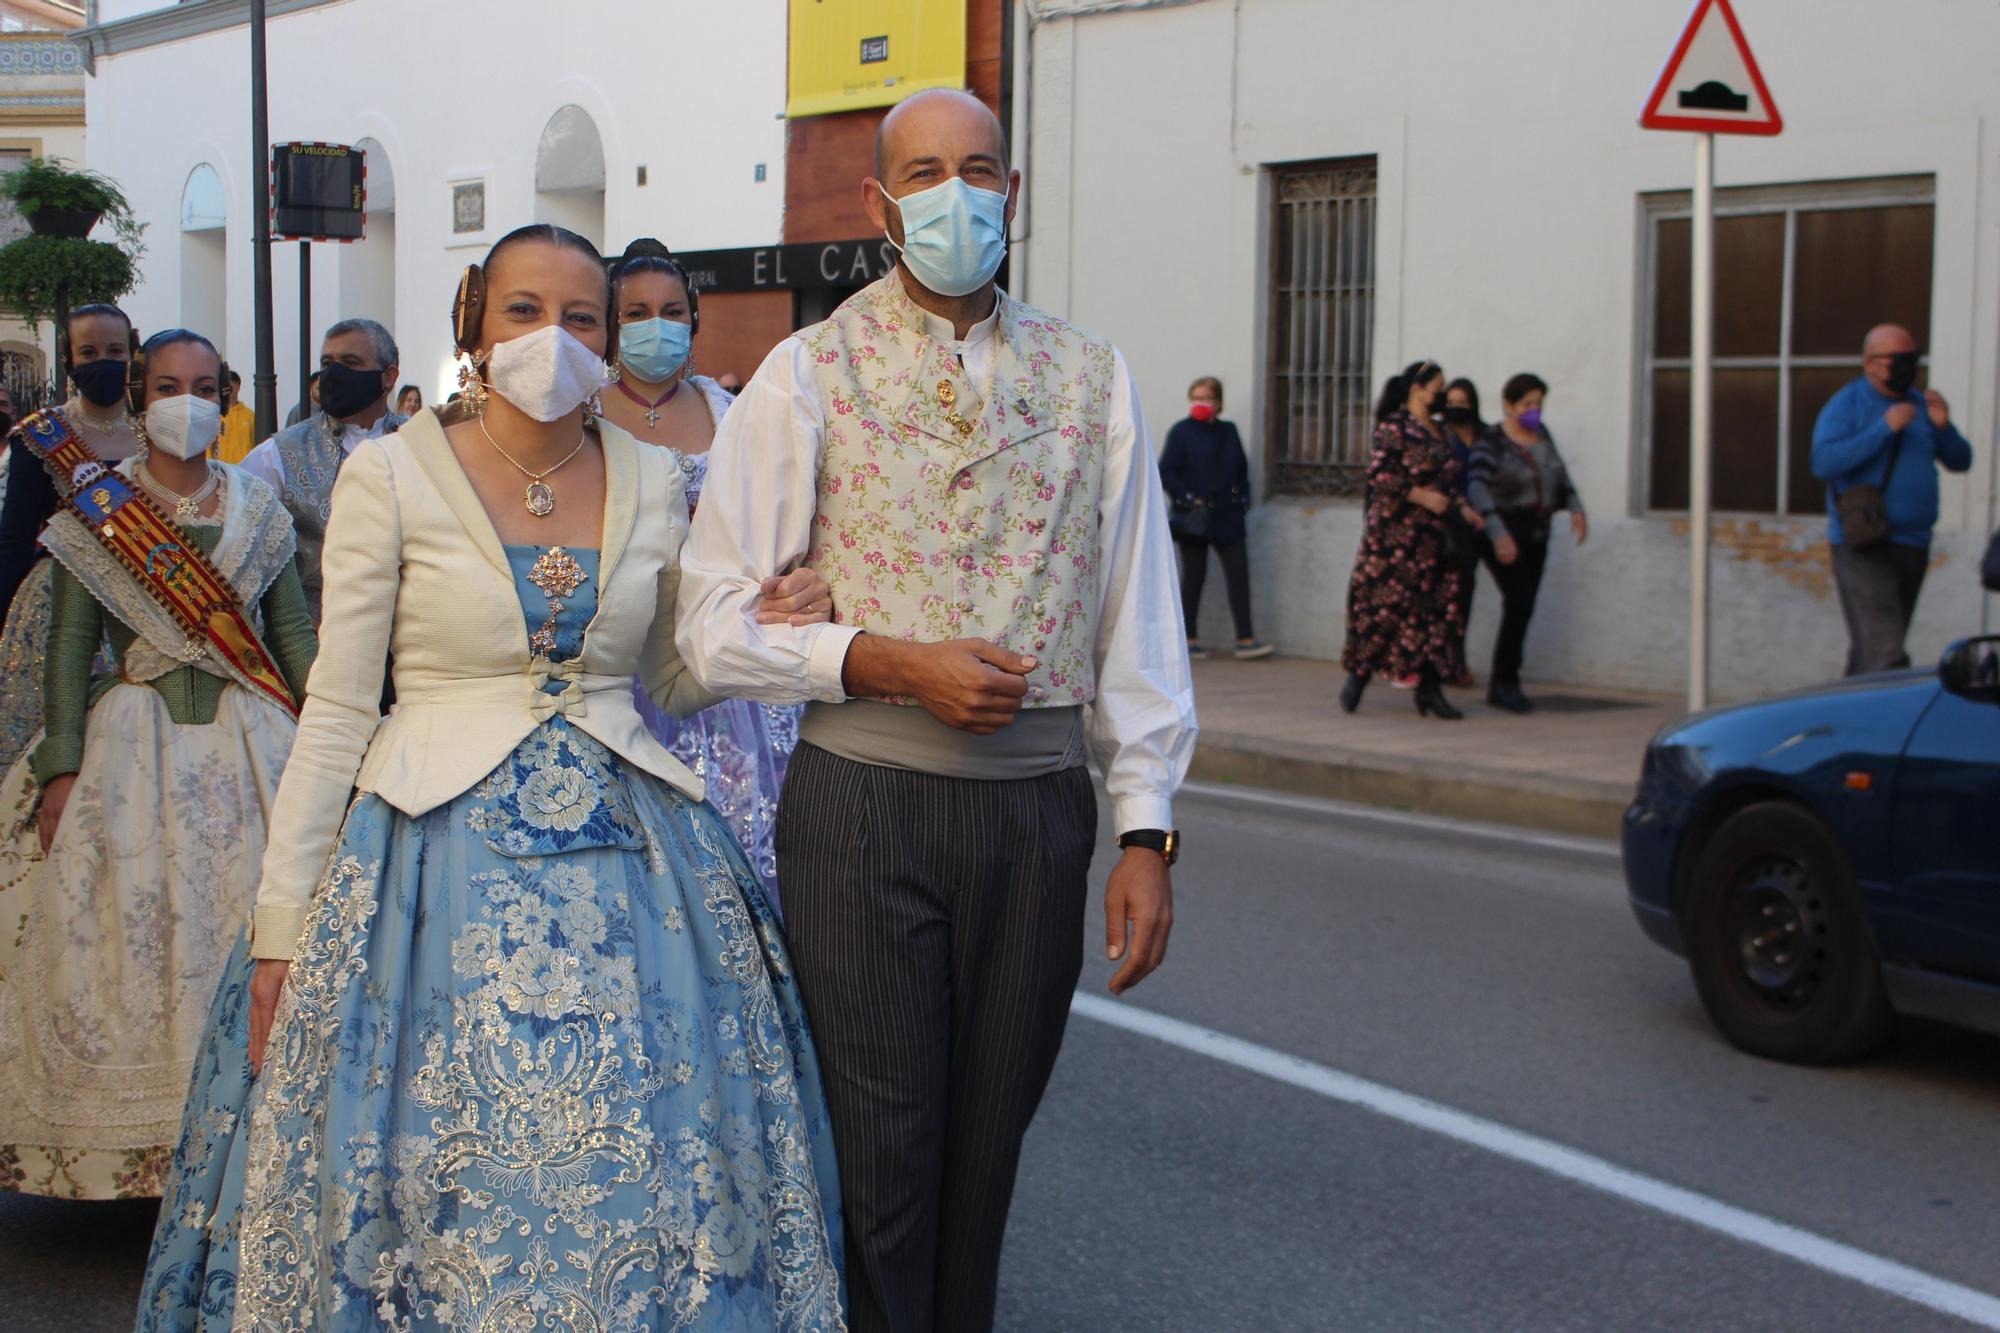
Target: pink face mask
x=1202 y=411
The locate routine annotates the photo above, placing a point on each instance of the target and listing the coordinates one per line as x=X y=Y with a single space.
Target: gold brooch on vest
x=948 y=395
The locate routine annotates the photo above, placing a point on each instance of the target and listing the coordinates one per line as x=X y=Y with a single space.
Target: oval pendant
x=541 y=501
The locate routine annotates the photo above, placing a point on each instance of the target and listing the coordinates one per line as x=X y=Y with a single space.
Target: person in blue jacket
x=1881 y=430
x=1207 y=480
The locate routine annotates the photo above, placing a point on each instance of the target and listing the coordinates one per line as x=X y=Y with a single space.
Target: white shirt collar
x=939 y=329
x=352 y=435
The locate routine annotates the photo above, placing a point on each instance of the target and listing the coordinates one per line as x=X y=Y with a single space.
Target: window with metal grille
x=1801 y=273
x=1319 y=419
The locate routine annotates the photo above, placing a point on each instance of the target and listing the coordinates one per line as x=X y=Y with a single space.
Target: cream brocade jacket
x=414 y=569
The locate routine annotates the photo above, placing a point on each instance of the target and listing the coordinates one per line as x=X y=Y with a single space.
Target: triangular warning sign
x=1711 y=82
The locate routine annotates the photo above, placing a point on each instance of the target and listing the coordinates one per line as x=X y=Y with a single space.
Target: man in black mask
x=1877 y=445
x=357 y=371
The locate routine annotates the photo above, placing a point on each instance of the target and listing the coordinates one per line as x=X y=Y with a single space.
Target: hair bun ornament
x=646 y=247
x=468 y=308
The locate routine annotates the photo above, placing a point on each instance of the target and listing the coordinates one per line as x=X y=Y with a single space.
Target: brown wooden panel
x=739 y=329
x=827 y=157
x=984 y=20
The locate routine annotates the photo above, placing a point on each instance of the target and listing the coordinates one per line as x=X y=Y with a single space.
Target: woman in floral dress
x=531 y=1052
x=1402 y=601
x=739 y=748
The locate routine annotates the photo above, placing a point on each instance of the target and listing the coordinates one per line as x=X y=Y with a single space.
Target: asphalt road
x=1164 y=1189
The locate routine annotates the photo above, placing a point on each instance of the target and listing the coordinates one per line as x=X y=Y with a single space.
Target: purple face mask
x=1531 y=419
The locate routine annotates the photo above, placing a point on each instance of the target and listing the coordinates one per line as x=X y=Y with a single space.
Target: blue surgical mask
x=954 y=236
x=653 y=349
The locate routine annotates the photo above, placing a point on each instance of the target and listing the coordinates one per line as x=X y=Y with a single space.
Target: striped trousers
x=936 y=928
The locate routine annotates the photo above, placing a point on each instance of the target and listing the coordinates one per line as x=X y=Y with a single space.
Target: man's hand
x=798 y=598
x=1939 y=408
x=1579 y=526
x=266 y=983
x=1505 y=549
x=1138 y=914
x=969 y=684
x=1900 y=415
x=54 y=797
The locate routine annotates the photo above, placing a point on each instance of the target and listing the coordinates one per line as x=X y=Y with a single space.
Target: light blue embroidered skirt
x=540 y=1064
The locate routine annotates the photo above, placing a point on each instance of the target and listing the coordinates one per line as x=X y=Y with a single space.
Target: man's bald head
x=934 y=123
x=1887 y=340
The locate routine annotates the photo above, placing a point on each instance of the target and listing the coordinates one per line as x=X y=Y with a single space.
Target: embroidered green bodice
x=78 y=623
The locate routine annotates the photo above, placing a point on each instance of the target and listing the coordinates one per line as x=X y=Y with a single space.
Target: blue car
x=1830 y=858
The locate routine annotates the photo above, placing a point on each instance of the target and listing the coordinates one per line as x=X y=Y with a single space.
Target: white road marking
x=1277 y=800
x=1884 y=1275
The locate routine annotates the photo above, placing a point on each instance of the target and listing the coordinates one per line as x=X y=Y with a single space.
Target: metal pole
x=1701 y=415
x=305 y=324
x=264 y=380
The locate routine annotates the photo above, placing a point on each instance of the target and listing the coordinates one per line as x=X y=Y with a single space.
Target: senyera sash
x=148 y=546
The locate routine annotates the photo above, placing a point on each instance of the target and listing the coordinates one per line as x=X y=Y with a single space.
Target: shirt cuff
x=57 y=756
x=1137 y=812
x=826 y=662
x=274 y=930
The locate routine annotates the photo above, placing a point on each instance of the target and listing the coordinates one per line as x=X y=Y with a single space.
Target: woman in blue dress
x=739 y=748
x=531 y=1055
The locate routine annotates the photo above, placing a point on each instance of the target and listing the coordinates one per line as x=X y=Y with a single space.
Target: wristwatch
x=1167 y=842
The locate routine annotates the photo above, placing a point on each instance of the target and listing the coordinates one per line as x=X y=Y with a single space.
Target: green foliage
x=50 y=182
x=35 y=270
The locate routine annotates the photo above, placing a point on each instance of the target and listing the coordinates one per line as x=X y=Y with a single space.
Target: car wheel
x=1778 y=942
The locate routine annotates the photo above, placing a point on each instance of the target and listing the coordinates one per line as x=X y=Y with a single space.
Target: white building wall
x=451 y=92
x=1510 y=170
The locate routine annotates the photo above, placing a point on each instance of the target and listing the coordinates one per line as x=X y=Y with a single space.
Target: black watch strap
x=1167 y=842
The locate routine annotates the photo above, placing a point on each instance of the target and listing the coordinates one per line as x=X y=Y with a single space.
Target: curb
x=1424 y=786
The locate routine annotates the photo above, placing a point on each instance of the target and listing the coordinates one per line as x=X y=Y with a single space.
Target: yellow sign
x=848 y=54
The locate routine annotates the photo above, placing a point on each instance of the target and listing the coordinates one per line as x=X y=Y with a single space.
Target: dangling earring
x=472 y=383
x=617 y=372
x=687 y=369
x=138 y=420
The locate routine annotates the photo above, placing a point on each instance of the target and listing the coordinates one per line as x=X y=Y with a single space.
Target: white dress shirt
x=755 y=520
x=265 y=461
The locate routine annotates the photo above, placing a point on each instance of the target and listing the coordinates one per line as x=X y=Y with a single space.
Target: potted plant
x=58 y=266
x=59 y=199
x=40 y=275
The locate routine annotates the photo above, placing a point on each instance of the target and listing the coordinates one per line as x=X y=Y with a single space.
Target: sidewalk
x=1570 y=766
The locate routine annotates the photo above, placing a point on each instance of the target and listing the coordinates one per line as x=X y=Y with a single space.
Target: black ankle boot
x=1431 y=701
x=1509 y=697
x=1350 y=693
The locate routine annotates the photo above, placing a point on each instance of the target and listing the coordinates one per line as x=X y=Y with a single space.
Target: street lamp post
x=266 y=378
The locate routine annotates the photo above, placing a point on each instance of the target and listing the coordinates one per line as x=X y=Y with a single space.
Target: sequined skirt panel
x=740 y=749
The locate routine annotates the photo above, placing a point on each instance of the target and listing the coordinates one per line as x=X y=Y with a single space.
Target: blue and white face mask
x=954 y=235
x=653 y=349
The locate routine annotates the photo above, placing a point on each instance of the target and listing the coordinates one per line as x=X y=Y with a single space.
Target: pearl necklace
x=186 y=508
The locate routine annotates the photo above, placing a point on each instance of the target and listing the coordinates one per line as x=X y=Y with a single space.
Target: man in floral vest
x=973 y=479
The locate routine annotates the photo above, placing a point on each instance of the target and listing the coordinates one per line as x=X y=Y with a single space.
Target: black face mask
x=1459 y=416
x=6 y=422
x=1903 y=371
x=101 y=382
x=343 y=390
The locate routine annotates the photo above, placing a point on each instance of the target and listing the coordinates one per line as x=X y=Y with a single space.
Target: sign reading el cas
x=1711 y=83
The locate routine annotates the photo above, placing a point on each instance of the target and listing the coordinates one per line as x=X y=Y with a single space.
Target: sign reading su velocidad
x=1711 y=83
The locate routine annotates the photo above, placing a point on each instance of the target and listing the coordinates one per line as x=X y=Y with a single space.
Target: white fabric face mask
x=183 y=425
x=548 y=374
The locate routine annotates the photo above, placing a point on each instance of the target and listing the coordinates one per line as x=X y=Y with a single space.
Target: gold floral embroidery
x=557 y=573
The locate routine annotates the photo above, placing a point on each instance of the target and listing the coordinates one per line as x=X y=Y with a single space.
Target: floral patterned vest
x=949 y=509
